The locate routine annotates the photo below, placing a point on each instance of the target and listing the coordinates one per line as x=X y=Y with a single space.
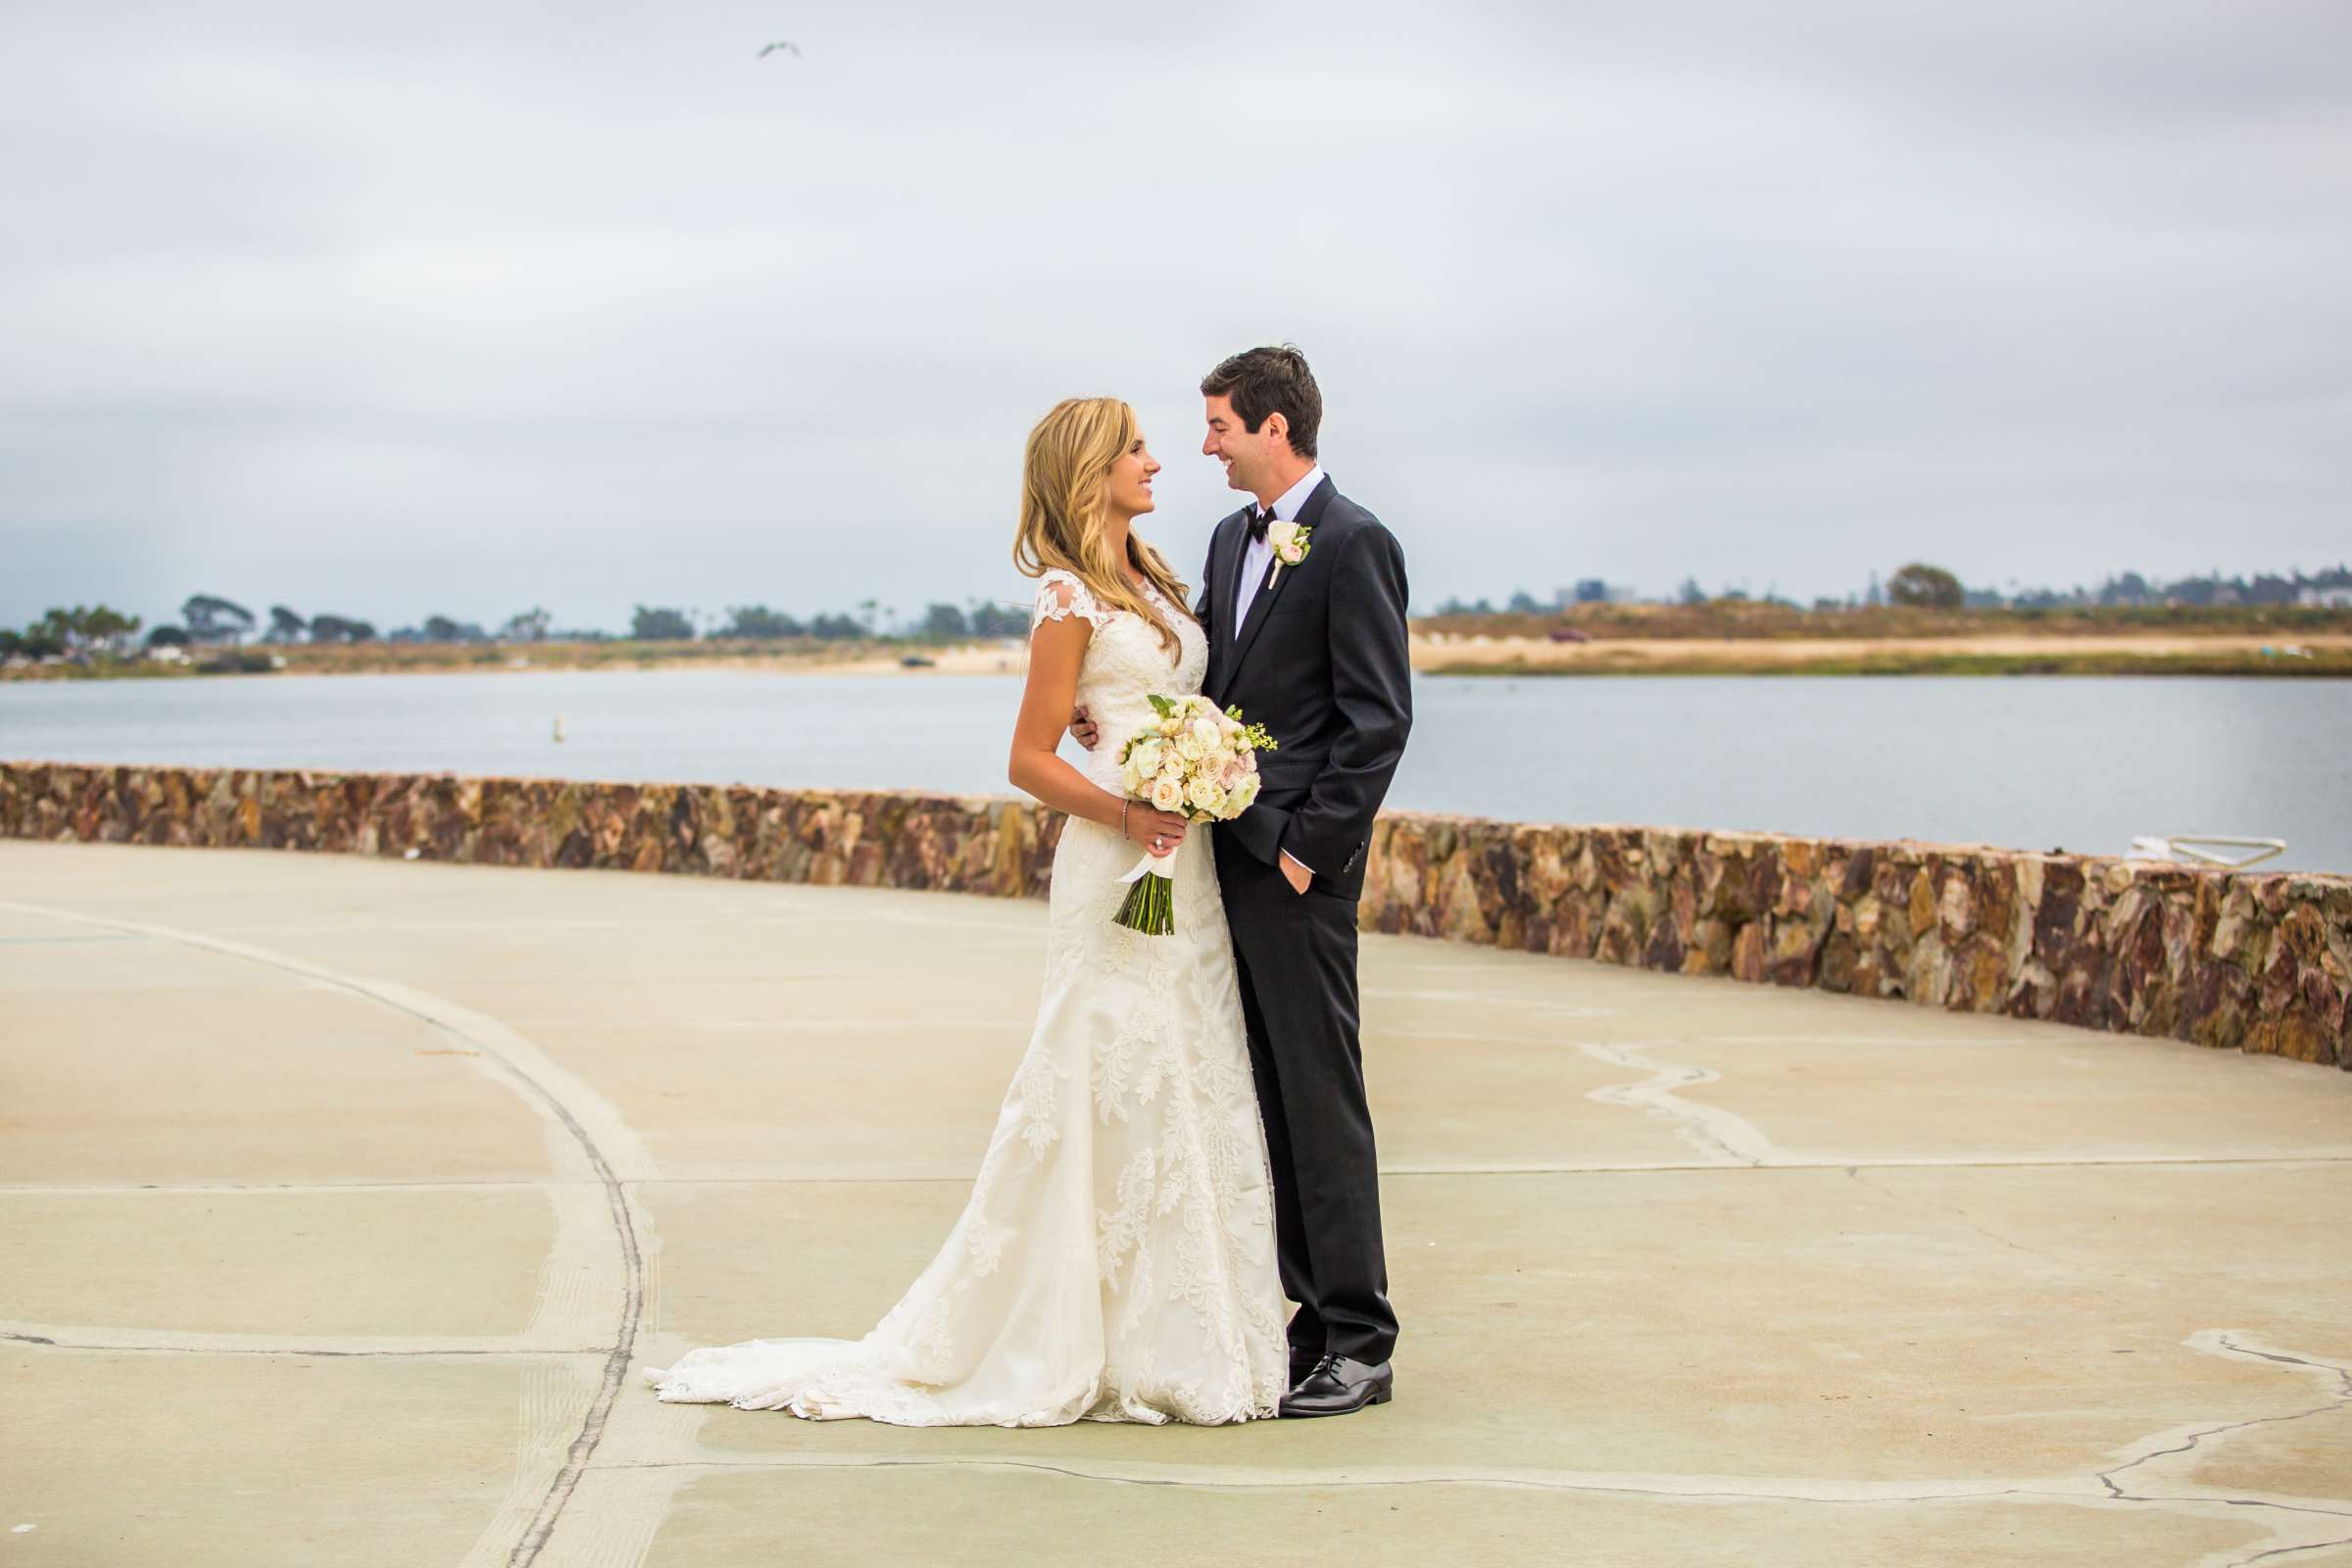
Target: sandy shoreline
x=1633 y=655
x=1629 y=655
x=2128 y=653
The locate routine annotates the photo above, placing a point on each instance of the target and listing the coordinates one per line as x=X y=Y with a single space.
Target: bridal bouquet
x=1197 y=763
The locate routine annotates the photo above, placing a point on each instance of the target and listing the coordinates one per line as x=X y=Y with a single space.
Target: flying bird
x=780 y=43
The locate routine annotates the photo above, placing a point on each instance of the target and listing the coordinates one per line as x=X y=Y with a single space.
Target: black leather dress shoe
x=1339 y=1386
x=1304 y=1364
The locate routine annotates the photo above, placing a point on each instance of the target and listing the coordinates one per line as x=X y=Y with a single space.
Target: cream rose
x=1203 y=793
x=1167 y=794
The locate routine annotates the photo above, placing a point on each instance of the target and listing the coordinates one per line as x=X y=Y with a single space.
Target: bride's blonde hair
x=1066 y=475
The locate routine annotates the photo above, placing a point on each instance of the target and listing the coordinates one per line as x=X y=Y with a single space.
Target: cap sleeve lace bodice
x=1060 y=595
x=1127 y=662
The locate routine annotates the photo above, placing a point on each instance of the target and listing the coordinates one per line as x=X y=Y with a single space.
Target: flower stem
x=1151 y=906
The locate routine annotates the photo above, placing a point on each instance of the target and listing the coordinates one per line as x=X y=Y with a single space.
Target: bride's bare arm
x=1055 y=651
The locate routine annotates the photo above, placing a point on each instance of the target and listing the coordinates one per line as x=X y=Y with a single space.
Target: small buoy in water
x=559 y=728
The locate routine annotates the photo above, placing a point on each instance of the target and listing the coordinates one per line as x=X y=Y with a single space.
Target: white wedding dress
x=1115 y=1260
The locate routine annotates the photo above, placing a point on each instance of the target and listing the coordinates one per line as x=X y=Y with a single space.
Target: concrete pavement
x=340 y=1200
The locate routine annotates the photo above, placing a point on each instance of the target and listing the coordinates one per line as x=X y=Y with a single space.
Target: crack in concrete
x=1694 y=1488
x=1990 y=1234
x=2287 y=1518
x=2217 y=1342
x=1703 y=1489
x=1449 y=1168
x=2237 y=1345
x=2283 y=1552
x=1731 y=1140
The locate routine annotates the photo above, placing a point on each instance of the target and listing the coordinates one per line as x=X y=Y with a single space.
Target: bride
x=1115 y=1260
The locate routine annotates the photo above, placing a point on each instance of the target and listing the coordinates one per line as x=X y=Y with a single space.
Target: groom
x=1305 y=610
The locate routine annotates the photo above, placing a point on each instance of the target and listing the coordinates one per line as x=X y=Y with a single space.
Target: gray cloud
x=442 y=310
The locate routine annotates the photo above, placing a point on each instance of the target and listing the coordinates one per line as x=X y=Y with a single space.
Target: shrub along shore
x=1720 y=637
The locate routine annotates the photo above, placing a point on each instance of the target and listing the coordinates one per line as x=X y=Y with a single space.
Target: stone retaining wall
x=2253 y=961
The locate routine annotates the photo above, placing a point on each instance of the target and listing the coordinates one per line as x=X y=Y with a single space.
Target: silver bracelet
x=1123 y=804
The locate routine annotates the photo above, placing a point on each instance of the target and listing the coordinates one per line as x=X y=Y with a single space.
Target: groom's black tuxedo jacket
x=1320 y=661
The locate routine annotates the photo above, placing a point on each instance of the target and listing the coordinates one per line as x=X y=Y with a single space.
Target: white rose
x=1167 y=794
x=1171 y=766
x=1203 y=793
x=1206 y=731
x=1238 y=799
x=1284 y=537
x=1191 y=747
x=1145 y=758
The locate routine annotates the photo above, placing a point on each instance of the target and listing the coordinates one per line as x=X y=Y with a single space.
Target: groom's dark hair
x=1263 y=381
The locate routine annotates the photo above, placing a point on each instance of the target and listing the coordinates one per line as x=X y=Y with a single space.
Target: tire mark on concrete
x=506 y=1055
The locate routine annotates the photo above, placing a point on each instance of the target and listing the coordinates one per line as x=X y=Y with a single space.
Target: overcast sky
x=400 y=309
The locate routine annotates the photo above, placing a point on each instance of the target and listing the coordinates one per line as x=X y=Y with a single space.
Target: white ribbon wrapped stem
x=1160 y=865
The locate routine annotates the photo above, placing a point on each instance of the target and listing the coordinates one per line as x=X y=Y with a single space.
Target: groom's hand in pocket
x=1297 y=875
x=1082 y=728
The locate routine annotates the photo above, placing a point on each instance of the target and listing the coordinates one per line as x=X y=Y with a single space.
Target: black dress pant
x=1296 y=954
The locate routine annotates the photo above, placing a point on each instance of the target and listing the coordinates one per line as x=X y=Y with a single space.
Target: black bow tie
x=1258 y=519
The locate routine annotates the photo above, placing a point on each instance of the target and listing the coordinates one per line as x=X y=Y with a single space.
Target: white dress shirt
x=1257 y=553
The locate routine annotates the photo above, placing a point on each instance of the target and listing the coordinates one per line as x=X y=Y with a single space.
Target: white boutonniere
x=1289 y=542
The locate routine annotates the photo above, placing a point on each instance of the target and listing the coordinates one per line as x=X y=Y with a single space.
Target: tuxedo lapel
x=1261 y=603
x=1224 y=565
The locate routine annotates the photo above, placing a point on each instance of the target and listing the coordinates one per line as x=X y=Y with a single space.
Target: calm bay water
x=2030 y=763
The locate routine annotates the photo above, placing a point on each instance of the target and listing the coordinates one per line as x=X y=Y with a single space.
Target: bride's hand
x=1156 y=831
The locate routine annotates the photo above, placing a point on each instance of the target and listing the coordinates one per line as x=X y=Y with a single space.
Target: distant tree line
x=211 y=618
x=1927 y=586
x=939 y=622
x=211 y=621
x=2264 y=588
x=63 y=633
x=86 y=632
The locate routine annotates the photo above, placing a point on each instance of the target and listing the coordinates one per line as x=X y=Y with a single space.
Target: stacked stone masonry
x=2246 y=960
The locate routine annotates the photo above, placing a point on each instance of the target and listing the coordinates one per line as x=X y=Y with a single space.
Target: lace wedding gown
x=1115 y=1260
